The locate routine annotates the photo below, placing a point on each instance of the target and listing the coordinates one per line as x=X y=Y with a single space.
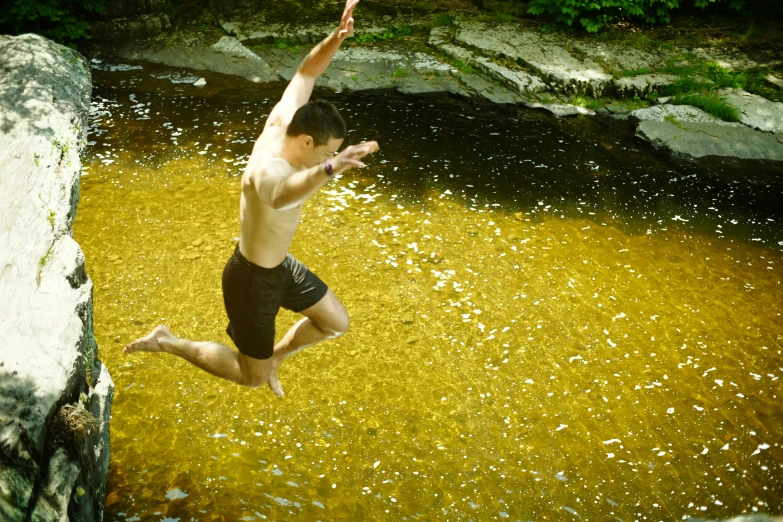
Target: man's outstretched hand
x=346 y=24
x=351 y=156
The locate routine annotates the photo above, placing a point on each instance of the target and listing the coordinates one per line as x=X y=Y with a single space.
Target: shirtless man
x=294 y=156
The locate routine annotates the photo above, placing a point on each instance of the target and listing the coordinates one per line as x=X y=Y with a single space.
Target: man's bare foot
x=150 y=343
x=274 y=382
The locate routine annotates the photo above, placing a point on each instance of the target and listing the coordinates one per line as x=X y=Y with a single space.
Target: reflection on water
x=549 y=320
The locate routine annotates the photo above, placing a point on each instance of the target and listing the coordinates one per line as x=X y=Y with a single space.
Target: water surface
x=550 y=320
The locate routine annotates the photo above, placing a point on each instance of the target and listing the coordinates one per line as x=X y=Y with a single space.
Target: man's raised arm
x=315 y=63
x=284 y=191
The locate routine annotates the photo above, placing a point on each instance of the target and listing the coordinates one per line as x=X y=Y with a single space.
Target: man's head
x=319 y=130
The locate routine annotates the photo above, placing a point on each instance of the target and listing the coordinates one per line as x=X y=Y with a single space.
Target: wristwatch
x=328 y=168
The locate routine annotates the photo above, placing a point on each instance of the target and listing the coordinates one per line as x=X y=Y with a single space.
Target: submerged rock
x=55 y=395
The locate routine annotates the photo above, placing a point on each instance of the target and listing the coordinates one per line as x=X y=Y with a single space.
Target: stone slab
x=199 y=57
x=698 y=139
x=545 y=53
x=755 y=111
x=680 y=113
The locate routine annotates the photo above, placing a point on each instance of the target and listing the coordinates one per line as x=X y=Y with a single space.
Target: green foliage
x=595 y=14
x=59 y=20
x=286 y=45
x=400 y=72
x=634 y=103
x=710 y=104
x=42 y=263
x=635 y=72
x=724 y=78
x=586 y=101
x=463 y=66
x=443 y=20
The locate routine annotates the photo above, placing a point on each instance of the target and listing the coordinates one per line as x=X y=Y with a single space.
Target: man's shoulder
x=262 y=164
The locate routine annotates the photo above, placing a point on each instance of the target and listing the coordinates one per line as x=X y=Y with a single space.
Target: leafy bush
x=59 y=20
x=594 y=14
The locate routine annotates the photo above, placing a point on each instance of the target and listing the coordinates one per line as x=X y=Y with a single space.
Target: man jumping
x=291 y=160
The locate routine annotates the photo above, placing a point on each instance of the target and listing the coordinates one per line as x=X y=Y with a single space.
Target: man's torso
x=265 y=233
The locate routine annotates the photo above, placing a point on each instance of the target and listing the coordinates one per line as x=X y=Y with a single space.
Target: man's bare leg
x=326 y=319
x=227 y=363
x=215 y=358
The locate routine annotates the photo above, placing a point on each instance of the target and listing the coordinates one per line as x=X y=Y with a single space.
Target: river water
x=550 y=319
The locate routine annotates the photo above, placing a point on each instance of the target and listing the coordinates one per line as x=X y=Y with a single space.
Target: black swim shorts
x=253 y=295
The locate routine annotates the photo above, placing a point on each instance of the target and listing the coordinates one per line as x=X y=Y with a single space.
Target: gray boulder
x=53 y=468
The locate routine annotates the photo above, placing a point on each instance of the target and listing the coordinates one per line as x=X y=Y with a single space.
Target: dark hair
x=319 y=119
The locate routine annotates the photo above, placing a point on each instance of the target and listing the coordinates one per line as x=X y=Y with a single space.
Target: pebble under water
x=550 y=319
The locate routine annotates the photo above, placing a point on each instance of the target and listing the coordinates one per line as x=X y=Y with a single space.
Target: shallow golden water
x=505 y=360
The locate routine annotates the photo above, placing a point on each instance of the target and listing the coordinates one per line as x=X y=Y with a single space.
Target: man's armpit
x=268 y=179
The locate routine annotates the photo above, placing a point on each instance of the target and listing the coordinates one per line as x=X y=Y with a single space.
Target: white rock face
x=48 y=356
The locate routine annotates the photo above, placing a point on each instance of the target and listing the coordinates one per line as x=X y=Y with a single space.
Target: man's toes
x=274 y=384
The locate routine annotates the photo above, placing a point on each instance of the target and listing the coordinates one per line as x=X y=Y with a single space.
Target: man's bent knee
x=337 y=327
x=253 y=372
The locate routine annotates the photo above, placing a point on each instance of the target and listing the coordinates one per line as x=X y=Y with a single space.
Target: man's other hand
x=351 y=156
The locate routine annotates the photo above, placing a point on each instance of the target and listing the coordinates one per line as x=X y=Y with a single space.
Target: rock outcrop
x=126 y=19
x=505 y=63
x=55 y=395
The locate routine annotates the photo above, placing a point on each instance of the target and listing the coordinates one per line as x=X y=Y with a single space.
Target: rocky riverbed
x=506 y=63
